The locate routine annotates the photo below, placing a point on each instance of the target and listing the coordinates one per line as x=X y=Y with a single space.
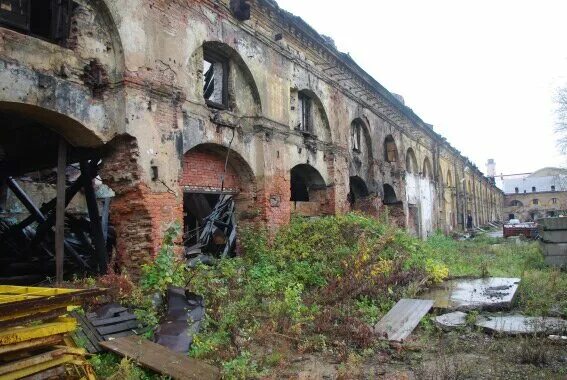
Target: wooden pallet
x=94 y=330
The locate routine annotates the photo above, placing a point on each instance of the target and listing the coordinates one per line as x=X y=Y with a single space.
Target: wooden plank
x=52 y=373
x=34 y=343
x=16 y=335
x=31 y=361
x=162 y=360
x=119 y=327
x=402 y=319
x=88 y=329
x=38 y=367
x=60 y=210
x=97 y=235
x=39 y=316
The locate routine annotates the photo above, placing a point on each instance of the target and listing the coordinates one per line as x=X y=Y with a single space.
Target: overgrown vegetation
x=318 y=286
x=543 y=290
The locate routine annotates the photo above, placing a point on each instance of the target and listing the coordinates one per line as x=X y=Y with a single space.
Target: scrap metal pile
x=34 y=333
x=218 y=235
x=27 y=253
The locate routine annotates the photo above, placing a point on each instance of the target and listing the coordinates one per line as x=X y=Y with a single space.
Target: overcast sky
x=483 y=72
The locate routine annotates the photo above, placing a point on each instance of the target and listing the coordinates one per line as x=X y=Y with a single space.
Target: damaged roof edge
x=351 y=64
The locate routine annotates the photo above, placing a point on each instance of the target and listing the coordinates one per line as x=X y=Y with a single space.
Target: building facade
x=537 y=195
x=187 y=99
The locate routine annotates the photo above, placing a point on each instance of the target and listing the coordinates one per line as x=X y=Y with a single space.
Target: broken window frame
x=59 y=23
x=305 y=105
x=214 y=57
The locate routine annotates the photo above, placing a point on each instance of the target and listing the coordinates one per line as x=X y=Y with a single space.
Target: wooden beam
x=94 y=215
x=60 y=210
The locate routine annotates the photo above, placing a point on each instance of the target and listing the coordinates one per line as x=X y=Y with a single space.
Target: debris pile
x=218 y=234
x=34 y=333
x=27 y=247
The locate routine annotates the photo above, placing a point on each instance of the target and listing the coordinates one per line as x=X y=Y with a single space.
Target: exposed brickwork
x=203 y=170
x=139 y=215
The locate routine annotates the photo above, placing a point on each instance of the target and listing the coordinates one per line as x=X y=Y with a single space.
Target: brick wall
x=203 y=170
x=138 y=214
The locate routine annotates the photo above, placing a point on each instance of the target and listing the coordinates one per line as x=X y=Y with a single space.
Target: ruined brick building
x=169 y=93
x=540 y=194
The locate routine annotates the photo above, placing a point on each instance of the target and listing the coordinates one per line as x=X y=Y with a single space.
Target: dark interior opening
x=358 y=189
x=305 y=179
x=28 y=176
x=196 y=207
x=41 y=18
x=389 y=195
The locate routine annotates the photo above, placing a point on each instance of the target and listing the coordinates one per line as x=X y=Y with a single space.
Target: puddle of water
x=470 y=294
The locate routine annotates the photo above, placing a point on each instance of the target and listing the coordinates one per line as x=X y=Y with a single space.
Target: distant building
x=537 y=195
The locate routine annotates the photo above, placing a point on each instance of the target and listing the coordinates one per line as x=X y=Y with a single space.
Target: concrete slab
x=519 y=324
x=451 y=321
x=402 y=319
x=493 y=293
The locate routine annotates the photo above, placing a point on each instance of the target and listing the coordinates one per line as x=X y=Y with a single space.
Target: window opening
x=535 y=201
x=46 y=19
x=215 y=80
x=305 y=112
x=356 y=132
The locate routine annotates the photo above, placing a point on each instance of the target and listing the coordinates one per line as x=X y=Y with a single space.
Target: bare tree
x=561 y=119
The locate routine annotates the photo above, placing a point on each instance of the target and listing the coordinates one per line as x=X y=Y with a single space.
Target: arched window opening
x=305 y=104
x=307 y=185
x=215 y=78
x=390 y=149
x=516 y=203
x=411 y=161
x=356 y=135
x=427 y=172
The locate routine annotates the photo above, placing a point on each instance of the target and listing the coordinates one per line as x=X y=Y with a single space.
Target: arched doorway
x=358 y=194
x=393 y=205
x=211 y=172
x=46 y=156
x=308 y=191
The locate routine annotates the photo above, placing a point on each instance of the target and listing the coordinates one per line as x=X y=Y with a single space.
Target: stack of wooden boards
x=108 y=322
x=34 y=332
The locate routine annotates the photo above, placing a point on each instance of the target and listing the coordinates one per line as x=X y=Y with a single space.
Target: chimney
x=491 y=169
